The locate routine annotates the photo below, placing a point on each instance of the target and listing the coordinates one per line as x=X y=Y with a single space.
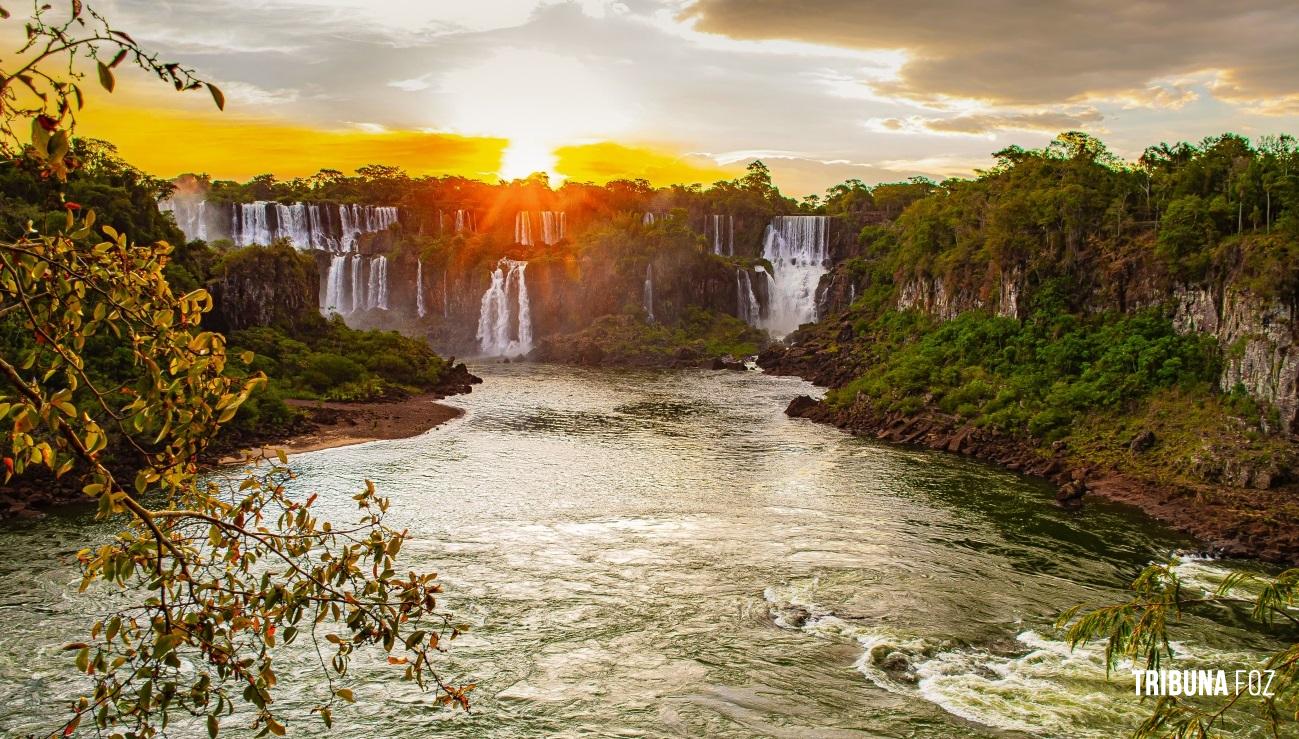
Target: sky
x=689 y=90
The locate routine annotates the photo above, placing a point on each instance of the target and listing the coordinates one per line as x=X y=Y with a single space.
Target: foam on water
x=1037 y=684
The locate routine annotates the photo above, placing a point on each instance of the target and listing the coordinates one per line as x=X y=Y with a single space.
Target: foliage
x=44 y=84
x=628 y=340
x=1140 y=631
x=1031 y=378
x=326 y=359
x=97 y=348
x=228 y=569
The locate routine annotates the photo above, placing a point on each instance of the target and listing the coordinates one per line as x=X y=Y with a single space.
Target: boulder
x=1142 y=441
x=802 y=405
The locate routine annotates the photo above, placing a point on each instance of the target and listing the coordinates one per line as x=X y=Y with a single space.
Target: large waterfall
x=419 y=289
x=722 y=230
x=503 y=331
x=335 y=284
x=648 y=297
x=554 y=227
x=796 y=246
x=323 y=226
x=377 y=292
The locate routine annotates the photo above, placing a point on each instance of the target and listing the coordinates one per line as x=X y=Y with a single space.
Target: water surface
x=667 y=554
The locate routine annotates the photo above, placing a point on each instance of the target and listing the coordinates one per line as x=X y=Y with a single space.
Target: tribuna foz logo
x=1192 y=683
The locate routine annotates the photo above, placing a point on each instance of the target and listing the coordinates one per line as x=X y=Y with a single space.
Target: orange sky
x=167 y=135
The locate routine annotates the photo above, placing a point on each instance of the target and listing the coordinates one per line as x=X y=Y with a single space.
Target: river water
x=667 y=554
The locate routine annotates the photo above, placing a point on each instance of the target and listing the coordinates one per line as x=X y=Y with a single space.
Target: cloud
x=988 y=123
x=415 y=84
x=1007 y=52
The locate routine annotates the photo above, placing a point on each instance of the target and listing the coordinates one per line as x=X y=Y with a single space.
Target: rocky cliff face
x=1258 y=343
x=273 y=286
x=1259 y=338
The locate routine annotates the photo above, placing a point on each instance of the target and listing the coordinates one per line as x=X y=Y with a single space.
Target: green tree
x=222 y=576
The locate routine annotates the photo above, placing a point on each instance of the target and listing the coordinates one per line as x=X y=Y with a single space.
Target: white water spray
x=722 y=229
x=377 y=292
x=554 y=227
x=335 y=283
x=747 y=308
x=503 y=332
x=358 y=284
x=796 y=246
x=419 y=289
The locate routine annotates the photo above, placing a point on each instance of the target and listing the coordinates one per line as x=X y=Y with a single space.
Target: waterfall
x=649 y=292
x=554 y=227
x=358 y=284
x=335 y=282
x=722 y=228
x=464 y=221
x=446 y=297
x=649 y=218
x=419 y=289
x=377 y=291
x=251 y=226
x=190 y=215
x=332 y=228
x=796 y=248
x=523 y=228
x=747 y=307
x=495 y=317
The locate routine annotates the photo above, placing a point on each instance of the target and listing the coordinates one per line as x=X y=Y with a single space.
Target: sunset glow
x=830 y=92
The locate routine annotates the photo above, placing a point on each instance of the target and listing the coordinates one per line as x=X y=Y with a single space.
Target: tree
x=221 y=576
x=1139 y=630
x=41 y=83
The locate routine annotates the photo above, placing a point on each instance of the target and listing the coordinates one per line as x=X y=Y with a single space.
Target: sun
x=525 y=156
x=540 y=101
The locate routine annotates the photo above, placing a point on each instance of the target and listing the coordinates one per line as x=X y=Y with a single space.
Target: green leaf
x=345 y=694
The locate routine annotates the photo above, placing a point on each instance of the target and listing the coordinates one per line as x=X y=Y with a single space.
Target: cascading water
x=419 y=289
x=523 y=228
x=722 y=229
x=554 y=227
x=649 y=292
x=649 y=218
x=501 y=331
x=796 y=246
x=335 y=283
x=377 y=292
x=464 y=222
x=358 y=284
x=747 y=307
x=333 y=228
x=190 y=215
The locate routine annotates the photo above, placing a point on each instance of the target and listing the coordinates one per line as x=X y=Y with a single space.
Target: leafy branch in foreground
x=42 y=82
x=215 y=576
x=1137 y=631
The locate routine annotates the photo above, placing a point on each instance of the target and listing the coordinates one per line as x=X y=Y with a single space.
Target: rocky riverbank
x=1230 y=521
x=320 y=425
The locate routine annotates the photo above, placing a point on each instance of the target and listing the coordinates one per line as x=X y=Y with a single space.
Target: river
x=667 y=554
